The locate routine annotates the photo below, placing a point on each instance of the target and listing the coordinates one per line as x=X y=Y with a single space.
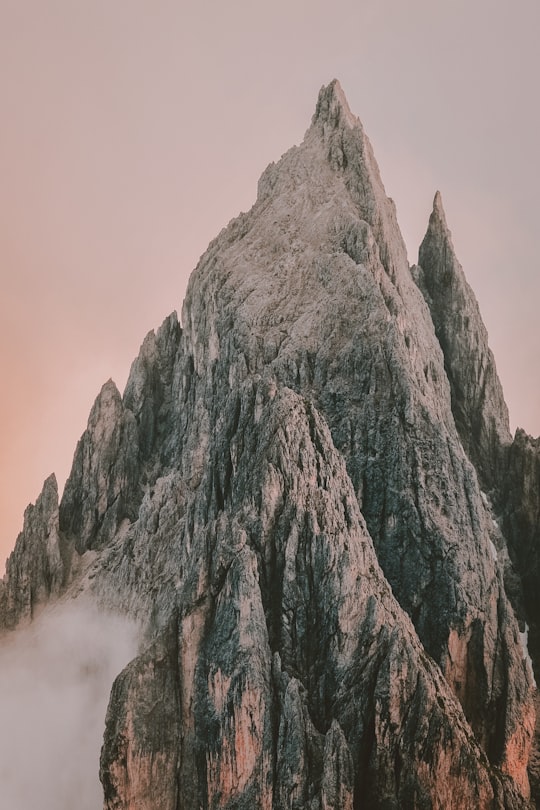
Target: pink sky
x=133 y=132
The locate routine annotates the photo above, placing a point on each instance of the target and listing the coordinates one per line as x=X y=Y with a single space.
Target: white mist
x=55 y=680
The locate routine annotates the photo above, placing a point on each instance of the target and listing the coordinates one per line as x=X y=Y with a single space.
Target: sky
x=132 y=132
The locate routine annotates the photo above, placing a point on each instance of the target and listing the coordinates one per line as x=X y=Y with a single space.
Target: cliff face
x=521 y=521
x=288 y=497
x=35 y=570
x=520 y=518
x=478 y=404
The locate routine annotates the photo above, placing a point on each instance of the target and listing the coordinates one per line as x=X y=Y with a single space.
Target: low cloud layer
x=55 y=680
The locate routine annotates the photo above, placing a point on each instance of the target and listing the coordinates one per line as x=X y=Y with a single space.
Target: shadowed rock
x=477 y=399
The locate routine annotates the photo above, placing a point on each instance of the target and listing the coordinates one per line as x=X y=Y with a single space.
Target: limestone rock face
x=102 y=489
x=287 y=497
x=477 y=399
x=522 y=519
x=294 y=644
x=316 y=282
x=36 y=569
x=142 y=734
x=509 y=469
x=148 y=391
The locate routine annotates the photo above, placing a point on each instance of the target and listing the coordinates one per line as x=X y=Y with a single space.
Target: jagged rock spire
x=333 y=108
x=103 y=488
x=477 y=398
x=36 y=569
x=312 y=288
x=349 y=152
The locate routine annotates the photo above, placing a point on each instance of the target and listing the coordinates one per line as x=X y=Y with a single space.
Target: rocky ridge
x=288 y=495
x=36 y=569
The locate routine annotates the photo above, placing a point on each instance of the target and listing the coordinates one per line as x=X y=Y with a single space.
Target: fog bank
x=55 y=680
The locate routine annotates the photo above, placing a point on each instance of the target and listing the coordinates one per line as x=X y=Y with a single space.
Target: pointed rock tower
x=288 y=497
x=478 y=403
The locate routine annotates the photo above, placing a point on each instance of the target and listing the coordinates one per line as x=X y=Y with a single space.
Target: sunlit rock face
x=288 y=499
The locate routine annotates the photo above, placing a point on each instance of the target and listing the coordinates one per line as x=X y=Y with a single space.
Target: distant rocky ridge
x=310 y=497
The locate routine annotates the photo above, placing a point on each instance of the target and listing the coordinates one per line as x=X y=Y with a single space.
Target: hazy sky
x=132 y=132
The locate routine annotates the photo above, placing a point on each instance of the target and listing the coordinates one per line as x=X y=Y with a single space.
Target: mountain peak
x=437 y=220
x=477 y=398
x=333 y=108
x=438 y=208
x=50 y=484
x=349 y=153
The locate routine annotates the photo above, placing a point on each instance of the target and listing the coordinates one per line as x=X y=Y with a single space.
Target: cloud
x=55 y=680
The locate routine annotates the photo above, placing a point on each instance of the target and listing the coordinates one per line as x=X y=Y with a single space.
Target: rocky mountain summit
x=310 y=499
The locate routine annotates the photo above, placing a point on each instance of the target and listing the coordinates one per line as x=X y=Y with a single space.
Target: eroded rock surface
x=350 y=701
x=477 y=398
x=102 y=489
x=37 y=568
x=316 y=282
x=288 y=498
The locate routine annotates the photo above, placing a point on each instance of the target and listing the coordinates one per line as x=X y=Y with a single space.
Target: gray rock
x=142 y=733
x=288 y=498
x=478 y=403
x=102 y=489
x=520 y=518
x=313 y=288
x=356 y=703
x=148 y=390
x=39 y=564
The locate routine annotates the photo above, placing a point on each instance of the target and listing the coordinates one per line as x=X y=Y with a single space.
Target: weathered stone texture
x=102 y=489
x=39 y=564
x=288 y=498
x=477 y=399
